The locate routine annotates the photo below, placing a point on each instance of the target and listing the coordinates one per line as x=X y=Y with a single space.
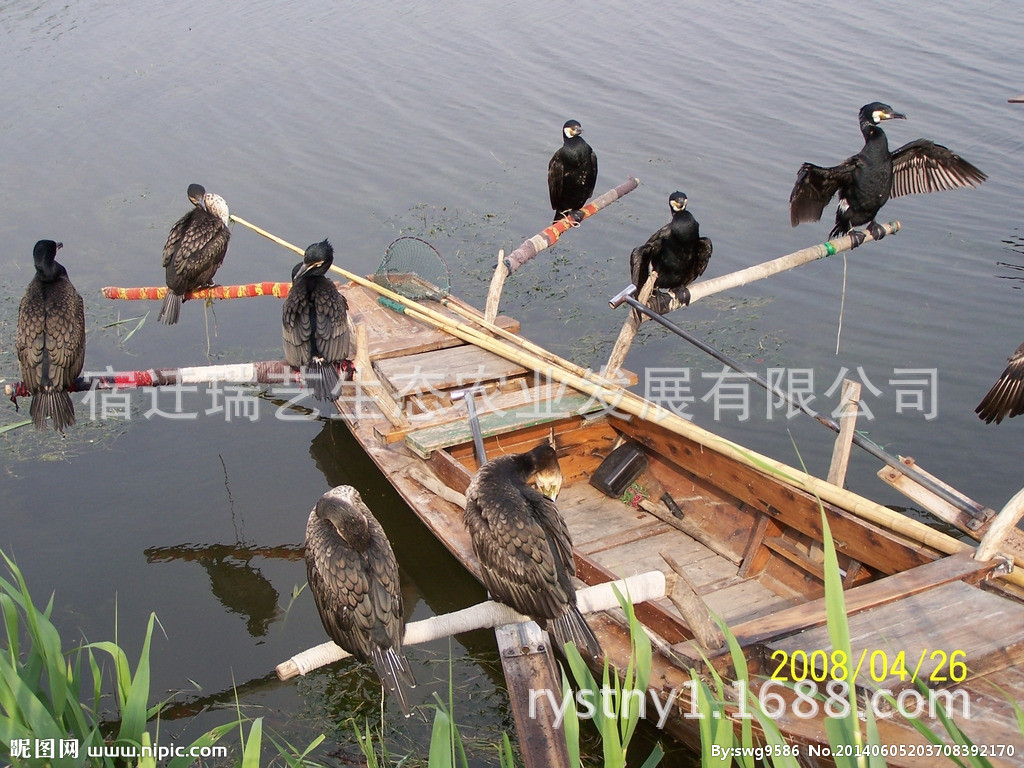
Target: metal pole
x=626 y=297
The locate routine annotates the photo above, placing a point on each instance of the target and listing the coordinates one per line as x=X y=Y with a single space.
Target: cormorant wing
x=332 y=335
x=174 y=237
x=297 y=328
x=204 y=244
x=1006 y=398
x=61 y=341
x=556 y=175
x=815 y=186
x=519 y=566
x=701 y=258
x=924 y=166
x=641 y=257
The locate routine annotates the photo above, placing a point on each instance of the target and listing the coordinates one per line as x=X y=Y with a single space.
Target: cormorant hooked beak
x=890 y=116
x=305 y=268
x=548 y=482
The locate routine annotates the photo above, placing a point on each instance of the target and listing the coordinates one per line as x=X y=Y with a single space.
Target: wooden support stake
x=849 y=403
x=629 y=328
x=367 y=377
x=693 y=608
x=1003 y=533
x=494 y=292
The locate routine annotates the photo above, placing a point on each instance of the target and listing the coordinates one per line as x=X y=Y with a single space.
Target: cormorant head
x=196 y=193
x=45 y=250
x=317 y=259
x=343 y=508
x=546 y=473
x=571 y=129
x=677 y=202
x=876 y=112
x=43 y=254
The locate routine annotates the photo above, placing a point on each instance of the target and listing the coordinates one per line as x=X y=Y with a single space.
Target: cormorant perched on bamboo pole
x=353 y=576
x=195 y=249
x=676 y=252
x=523 y=543
x=1006 y=398
x=315 y=321
x=866 y=181
x=572 y=172
x=50 y=339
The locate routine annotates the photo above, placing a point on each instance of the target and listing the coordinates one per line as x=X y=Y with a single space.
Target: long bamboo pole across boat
x=620 y=398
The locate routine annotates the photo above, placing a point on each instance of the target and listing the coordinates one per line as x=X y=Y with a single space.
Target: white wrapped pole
x=601 y=597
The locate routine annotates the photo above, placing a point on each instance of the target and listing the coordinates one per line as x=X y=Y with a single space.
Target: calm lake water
x=366 y=121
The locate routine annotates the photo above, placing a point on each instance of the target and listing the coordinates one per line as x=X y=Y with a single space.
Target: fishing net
x=413 y=268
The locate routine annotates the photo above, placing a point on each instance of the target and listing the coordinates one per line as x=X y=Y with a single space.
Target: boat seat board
x=985 y=631
x=395 y=333
x=425 y=441
x=437 y=371
x=886 y=590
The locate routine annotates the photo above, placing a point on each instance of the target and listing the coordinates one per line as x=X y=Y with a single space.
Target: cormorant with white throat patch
x=572 y=172
x=866 y=181
x=676 y=252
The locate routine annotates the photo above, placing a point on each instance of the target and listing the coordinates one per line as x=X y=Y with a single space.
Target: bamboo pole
x=600 y=597
x=704 y=288
x=741 y=277
x=635 y=405
x=263 y=372
x=247 y=291
x=545 y=239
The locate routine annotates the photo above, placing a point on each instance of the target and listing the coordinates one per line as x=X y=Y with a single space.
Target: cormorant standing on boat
x=866 y=181
x=676 y=252
x=523 y=544
x=1006 y=398
x=353 y=576
x=572 y=172
x=315 y=320
x=50 y=339
x=195 y=249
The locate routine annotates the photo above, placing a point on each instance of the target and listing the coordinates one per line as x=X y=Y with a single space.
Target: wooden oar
x=629 y=402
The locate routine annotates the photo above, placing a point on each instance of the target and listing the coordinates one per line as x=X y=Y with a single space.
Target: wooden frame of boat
x=746 y=537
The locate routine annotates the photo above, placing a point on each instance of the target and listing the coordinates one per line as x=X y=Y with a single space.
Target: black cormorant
x=353 y=576
x=1006 y=398
x=50 y=339
x=523 y=544
x=195 y=249
x=315 y=320
x=572 y=172
x=676 y=252
x=868 y=179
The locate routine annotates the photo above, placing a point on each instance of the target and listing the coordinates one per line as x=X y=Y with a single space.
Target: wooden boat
x=746 y=533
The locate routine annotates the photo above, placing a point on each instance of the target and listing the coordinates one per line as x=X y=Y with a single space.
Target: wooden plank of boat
x=913 y=637
x=811 y=614
x=395 y=333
